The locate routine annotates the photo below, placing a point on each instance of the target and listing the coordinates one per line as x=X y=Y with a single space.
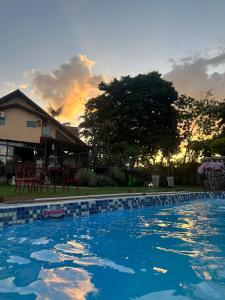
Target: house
x=29 y=133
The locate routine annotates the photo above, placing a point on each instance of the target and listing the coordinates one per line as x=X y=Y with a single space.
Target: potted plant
x=155 y=177
x=170 y=177
x=212 y=175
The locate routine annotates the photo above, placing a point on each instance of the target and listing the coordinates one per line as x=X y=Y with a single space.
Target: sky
x=59 y=50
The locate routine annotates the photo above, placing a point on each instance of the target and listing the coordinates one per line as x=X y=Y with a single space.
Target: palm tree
x=55 y=112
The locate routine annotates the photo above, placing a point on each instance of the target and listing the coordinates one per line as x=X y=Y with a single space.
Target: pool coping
x=63 y=199
x=21 y=213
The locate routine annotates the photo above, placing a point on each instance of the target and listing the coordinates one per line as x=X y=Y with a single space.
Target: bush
x=87 y=177
x=186 y=174
x=117 y=175
x=218 y=146
x=140 y=177
x=103 y=180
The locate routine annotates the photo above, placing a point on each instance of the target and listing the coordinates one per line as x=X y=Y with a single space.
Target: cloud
x=9 y=87
x=71 y=84
x=191 y=75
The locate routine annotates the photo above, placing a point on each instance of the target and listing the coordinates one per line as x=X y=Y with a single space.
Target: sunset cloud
x=71 y=84
x=9 y=87
x=192 y=75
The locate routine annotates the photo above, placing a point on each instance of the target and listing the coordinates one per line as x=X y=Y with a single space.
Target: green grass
x=8 y=192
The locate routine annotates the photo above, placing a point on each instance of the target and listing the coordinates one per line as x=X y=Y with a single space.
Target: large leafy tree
x=133 y=116
x=220 y=112
x=217 y=145
x=198 y=123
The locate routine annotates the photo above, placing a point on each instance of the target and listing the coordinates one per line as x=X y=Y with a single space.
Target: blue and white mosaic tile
x=27 y=213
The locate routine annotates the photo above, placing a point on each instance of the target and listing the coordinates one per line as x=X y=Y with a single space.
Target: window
x=32 y=124
x=3 y=150
x=2 y=118
x=9 y=165
x=46 y=130
x=10 y=151
x=2 y=165
x=6 y=159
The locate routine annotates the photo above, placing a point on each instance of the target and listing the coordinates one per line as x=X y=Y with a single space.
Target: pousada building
x=29 y=133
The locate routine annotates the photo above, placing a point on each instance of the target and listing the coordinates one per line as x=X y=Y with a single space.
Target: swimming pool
x=171 y=253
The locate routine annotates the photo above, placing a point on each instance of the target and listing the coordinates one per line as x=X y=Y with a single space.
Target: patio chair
x=25 y=175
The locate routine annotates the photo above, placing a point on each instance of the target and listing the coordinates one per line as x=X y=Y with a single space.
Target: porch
x=48 y=153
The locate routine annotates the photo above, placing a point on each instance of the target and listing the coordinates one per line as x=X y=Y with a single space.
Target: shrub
x=186 y=174
x=140 y=177
x=218 y=146
x=87 y=177
x=117 y=175
x=103 y=180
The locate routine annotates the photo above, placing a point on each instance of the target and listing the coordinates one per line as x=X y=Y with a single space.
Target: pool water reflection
x=171 y=253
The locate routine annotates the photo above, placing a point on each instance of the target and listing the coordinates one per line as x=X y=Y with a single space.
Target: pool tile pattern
x=27 y=213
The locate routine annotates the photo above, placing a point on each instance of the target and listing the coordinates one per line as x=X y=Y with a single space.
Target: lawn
x=9 y=195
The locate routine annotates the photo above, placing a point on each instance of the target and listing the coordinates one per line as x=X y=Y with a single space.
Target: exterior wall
x=15 y=127
x=19 y=101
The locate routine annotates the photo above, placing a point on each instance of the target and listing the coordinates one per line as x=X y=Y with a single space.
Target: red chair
x=25 y=175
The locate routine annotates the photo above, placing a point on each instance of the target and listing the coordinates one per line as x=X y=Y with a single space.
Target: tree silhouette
x=55 y=112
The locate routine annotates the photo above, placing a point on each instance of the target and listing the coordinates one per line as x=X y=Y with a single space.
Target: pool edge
x=12 y=214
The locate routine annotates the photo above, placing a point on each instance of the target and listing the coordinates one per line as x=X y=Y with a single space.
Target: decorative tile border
x=27 y=213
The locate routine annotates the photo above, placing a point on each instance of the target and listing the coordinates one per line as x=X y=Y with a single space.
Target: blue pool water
x=163 y=253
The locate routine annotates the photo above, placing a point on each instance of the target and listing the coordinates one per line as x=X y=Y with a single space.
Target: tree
x=218 y=146
x=133 y=115
x=212 y=123
x=198 y=121
x=220 y=110
x=55 y=112
x=200 y=148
